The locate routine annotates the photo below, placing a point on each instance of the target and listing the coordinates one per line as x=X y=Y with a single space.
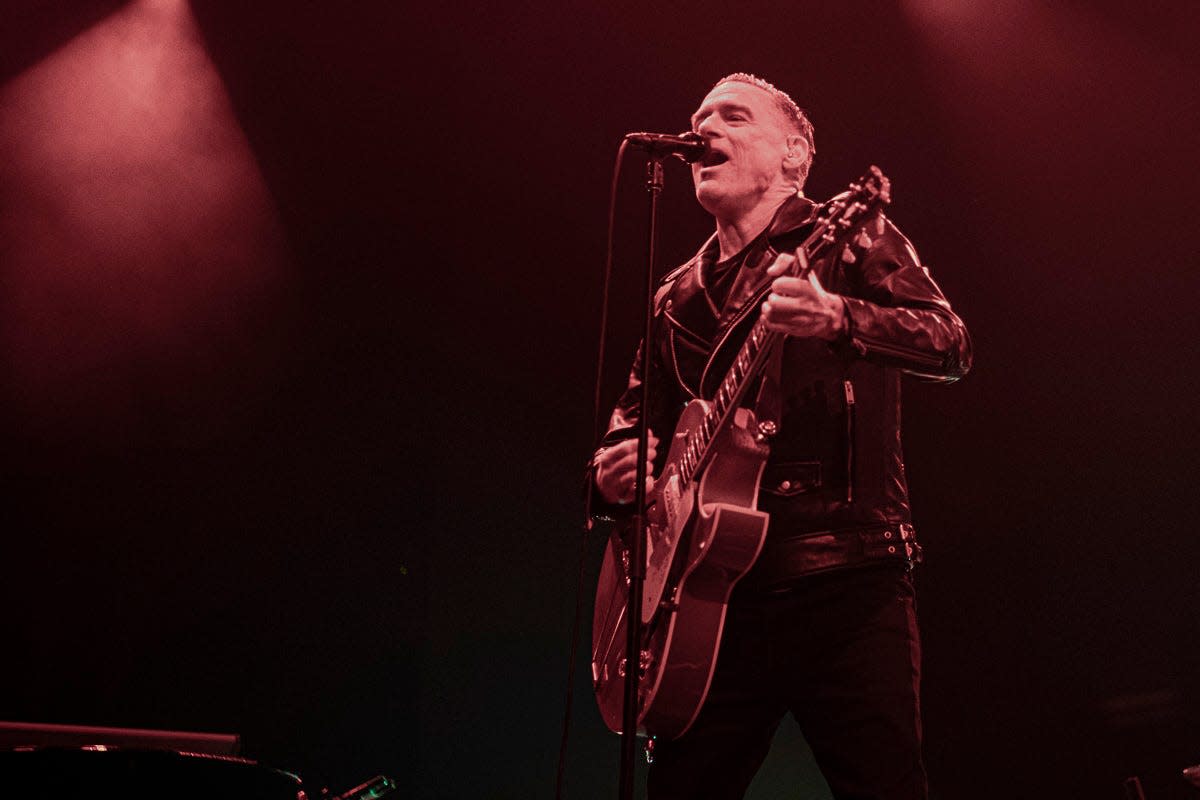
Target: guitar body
x=703 y=537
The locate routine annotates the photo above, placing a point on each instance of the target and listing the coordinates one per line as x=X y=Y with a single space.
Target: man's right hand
x=616 y=469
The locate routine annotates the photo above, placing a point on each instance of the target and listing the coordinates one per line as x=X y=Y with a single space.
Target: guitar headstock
x=873 y=188
x=869 y=193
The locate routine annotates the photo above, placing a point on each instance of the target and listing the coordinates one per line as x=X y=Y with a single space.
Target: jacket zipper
x=675 y=364
x=848 y=387
x=915 y=356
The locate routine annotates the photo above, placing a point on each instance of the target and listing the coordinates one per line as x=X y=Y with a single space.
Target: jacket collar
x=797 y=210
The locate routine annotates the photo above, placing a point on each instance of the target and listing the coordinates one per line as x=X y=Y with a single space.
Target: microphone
x=688 y=146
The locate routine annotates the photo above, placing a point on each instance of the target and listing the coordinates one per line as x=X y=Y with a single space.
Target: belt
x=785 y=559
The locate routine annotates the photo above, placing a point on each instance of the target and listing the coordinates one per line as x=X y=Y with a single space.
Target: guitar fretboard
x=754 y=350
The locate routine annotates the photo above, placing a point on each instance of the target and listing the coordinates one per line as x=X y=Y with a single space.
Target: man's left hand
x=801 y=306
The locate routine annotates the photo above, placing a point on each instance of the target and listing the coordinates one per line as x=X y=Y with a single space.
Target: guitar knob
x=645 y=659
x=767 y=428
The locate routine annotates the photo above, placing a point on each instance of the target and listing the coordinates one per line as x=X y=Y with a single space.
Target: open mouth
x=713 y=158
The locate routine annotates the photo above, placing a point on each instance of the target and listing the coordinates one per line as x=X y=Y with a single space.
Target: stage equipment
x=69 y=761
x=110 y=771
x=33 y=734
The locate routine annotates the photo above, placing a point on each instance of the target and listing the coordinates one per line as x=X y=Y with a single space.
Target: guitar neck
x=761 y=341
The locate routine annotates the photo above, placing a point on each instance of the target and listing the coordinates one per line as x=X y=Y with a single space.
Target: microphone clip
x=689 y=146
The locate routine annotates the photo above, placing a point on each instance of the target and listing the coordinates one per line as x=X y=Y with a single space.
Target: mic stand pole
x=637 y=555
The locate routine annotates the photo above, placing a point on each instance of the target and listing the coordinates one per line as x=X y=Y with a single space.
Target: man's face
x=748 y=140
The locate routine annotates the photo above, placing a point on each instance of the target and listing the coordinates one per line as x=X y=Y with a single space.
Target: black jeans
x=841 y=652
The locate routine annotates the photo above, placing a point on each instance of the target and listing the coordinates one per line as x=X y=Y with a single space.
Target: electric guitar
x=704 y=531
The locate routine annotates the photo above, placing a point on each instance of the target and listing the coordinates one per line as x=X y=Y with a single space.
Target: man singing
x=824 y=624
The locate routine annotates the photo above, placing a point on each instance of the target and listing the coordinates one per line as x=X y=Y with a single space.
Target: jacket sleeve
x=897 y=316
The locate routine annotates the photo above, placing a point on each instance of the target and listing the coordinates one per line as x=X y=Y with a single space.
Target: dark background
x=301 y=458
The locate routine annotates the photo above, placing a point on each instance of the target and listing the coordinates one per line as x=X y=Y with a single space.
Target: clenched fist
x=616 y=469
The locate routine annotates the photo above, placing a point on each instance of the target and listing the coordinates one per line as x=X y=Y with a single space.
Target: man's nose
x=707 y=127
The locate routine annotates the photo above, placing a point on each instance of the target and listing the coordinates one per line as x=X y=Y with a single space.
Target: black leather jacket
x=836 y=462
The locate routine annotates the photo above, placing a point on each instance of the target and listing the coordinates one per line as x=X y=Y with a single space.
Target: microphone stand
x=637 y=555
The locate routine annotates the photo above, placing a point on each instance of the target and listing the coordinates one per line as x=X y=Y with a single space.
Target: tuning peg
x=863 y=240
x=880 y=225
x=848 y=255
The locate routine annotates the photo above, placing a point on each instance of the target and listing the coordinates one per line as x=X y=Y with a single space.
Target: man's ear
x=797 y=151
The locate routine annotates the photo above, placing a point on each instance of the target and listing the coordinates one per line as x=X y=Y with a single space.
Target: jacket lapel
x=752 y=284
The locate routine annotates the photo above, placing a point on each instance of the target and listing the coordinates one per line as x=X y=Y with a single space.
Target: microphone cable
x=590 y=489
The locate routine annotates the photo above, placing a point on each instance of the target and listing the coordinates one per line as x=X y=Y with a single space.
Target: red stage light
x=139 y=239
